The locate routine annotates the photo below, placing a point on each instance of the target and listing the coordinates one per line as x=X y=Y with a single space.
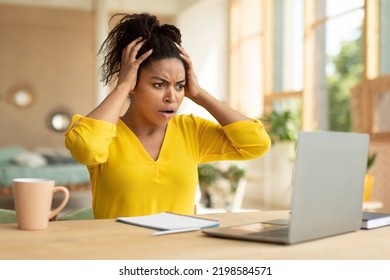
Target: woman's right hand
x=130 y=64
x=111 y=107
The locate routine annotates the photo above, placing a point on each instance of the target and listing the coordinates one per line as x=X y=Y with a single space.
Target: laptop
x=327 y=199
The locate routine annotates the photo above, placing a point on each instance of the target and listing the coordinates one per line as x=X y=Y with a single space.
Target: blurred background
x=295 y=64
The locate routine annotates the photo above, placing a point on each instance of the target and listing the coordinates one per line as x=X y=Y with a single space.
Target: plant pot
x=368 y=186
x=205 y=198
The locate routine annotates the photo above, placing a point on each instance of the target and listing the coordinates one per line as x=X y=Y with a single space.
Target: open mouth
x=167 y=111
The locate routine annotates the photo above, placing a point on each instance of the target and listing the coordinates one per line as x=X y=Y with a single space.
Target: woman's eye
x=158 y=85
x=180 y=87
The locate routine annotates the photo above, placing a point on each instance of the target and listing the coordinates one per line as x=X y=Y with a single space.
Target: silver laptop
x=327 y=195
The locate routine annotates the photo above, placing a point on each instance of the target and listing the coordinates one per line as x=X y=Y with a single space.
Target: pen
x=162 y=232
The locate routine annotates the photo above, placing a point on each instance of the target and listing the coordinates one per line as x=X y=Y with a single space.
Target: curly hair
x=160 y=38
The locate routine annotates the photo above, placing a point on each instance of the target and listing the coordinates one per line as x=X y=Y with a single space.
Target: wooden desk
x=107 y=239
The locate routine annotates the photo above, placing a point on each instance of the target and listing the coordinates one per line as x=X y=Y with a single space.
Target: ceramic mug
x=33 y=199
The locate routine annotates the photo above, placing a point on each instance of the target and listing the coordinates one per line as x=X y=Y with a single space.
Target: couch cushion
x=7 y=216
x=8 y=153
x=30 y=159
x=80 y=214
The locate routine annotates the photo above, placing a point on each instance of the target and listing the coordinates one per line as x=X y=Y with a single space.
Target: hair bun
x=158 y=37
x=171 y=32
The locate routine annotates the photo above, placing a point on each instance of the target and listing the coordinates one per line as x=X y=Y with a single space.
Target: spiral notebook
x=169 y=221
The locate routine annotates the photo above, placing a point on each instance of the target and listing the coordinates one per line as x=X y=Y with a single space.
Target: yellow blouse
x=126 y=181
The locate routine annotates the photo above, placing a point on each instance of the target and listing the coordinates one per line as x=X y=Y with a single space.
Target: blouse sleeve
x=88 y=139
x=241 y=140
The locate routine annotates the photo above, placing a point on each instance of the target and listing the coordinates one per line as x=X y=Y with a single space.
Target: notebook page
x=168 y=221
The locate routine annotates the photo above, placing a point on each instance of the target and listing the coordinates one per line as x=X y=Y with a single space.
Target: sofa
x=55 y=164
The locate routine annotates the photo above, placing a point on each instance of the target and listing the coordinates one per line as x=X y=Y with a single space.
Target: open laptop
x=327 y=198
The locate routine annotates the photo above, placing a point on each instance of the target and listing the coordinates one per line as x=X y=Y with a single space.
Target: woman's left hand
x=223 y=113
x=192 y=88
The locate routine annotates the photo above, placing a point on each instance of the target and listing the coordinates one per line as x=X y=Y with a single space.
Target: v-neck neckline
x=142 y=148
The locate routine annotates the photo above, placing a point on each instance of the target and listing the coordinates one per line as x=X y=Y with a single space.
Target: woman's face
x=159 y=90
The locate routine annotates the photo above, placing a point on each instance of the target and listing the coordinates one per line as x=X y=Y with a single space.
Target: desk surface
x=107 y=239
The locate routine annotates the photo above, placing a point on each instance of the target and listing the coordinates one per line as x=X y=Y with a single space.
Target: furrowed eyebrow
x=165 y=81
x=158 y=78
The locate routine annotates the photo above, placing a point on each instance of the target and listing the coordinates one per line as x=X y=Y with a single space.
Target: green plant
x=281 y=126
x=370 y=160
x=207 y=174
x=347 y=71
x=234 y=175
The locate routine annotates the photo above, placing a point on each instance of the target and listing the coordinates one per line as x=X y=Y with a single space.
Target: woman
x=145 y=161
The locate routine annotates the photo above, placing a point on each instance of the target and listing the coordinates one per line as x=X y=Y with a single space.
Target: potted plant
x=234 y=174
x=272 y=173
x=281 y=126
x=219 y=184
x=207 y=176
x=369 y=178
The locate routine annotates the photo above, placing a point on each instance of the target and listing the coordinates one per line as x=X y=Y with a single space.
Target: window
x=246 y=43
x=306 y=55
x=384 y=37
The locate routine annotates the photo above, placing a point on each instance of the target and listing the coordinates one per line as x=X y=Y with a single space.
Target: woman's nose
x=170 y=96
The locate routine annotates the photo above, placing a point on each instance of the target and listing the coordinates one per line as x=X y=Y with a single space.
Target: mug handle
x=64 y=200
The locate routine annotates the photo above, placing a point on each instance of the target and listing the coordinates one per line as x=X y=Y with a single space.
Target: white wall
x=204 y=27
x=84 y=5
x=166 y=7
x=157 y=7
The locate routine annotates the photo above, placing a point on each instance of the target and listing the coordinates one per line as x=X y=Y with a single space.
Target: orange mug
x=33 y=199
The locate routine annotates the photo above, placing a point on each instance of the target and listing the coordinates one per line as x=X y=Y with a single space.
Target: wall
x=52 y=51
x=204 y=27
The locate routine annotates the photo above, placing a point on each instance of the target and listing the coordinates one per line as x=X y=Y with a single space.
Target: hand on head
x=192 y=88
x=130 y=64
x=135 y=43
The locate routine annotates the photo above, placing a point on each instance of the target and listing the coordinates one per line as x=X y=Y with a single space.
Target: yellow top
x=126 y=181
